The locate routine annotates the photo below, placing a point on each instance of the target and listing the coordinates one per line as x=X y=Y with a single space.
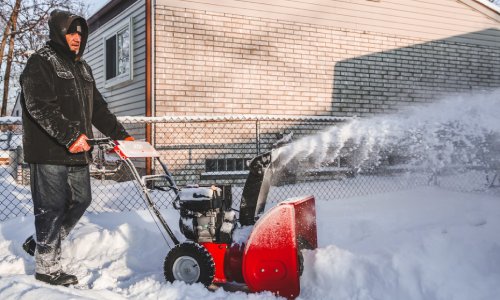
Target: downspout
x=153 y=68
x=149 y=77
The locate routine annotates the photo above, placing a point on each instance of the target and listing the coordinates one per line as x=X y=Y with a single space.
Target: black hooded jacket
x=60 y=100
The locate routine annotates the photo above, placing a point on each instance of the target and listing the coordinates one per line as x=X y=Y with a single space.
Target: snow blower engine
x=206 y=214
x=267 y=258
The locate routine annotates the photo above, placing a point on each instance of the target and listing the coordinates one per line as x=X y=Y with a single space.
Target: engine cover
x=200 y=199
x=206 y=214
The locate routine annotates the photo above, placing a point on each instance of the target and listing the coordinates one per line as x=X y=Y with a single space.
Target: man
x=60 y=104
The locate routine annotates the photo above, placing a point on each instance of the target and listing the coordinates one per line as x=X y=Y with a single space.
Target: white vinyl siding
x=129 y=97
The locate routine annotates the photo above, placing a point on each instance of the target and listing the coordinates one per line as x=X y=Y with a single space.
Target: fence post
x=18 y=166
x=13 y=162
x=257 y=136
x=149 y=139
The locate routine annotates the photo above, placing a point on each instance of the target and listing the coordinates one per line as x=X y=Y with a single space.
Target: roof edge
x=485 y=7
x=107 y=12
x=490 y=5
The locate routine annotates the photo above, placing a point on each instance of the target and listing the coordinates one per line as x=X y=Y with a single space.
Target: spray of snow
x=457 y=131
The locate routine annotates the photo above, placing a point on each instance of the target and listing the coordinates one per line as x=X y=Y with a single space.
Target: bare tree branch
x=13 y=24
x=30 y=33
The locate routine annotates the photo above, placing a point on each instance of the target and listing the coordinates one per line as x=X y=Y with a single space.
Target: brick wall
x=212 y=63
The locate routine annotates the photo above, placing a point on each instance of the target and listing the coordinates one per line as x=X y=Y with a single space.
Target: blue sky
x=96 y=5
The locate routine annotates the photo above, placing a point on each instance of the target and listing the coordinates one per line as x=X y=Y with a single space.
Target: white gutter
x=490 y=5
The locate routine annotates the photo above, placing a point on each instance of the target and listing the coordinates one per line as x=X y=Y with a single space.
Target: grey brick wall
x=385 y=81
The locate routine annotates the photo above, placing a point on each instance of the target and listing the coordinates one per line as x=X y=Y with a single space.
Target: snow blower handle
x=128 y=150
x=104 y=142
x=168 y=176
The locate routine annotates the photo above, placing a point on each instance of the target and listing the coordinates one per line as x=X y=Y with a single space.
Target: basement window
x=225 y=165
x=118 y=54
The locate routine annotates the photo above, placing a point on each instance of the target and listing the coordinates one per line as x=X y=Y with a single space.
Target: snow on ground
x=425 y=243
x=413 y=243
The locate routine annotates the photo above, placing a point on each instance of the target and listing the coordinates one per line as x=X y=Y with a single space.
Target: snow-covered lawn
x=425 y=243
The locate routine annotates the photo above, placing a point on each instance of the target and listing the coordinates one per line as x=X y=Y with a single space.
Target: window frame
x=113 y=32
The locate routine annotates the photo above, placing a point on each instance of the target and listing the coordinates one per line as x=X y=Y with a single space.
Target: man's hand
x=129 y=138
x=80 y=145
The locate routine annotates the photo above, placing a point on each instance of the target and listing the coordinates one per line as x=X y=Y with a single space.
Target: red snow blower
x=269 y=260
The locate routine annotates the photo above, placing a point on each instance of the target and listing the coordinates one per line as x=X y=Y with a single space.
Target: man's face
x=73 y=40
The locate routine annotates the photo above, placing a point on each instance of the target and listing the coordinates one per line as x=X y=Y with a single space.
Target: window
x=118 y=54
x=225 y=164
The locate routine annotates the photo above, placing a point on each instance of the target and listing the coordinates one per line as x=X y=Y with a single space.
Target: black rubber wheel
x=189 y=262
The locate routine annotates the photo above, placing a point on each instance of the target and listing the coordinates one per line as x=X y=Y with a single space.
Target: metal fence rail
x=214 y=150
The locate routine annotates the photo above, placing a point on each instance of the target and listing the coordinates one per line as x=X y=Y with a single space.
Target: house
x=284 y=57
x=327 y=57
x=10 y=139
x=17 y=111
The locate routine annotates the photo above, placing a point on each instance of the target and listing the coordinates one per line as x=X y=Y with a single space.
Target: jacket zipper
x=82 y=96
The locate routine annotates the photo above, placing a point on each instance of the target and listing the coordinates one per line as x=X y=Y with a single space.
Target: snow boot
x=57 y=278
x=30 y=245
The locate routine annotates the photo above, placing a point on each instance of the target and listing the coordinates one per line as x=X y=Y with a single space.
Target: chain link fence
x=215 y=150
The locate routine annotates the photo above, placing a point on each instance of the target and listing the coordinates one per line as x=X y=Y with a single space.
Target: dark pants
x=61 y=194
